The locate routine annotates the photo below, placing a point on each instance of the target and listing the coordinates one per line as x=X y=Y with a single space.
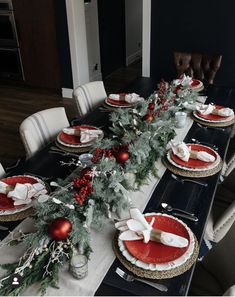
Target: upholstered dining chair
x=200 y=66
x=222 y=215
x=88 y=96
x=215 y=274
x=41 y=127
x=2 y=171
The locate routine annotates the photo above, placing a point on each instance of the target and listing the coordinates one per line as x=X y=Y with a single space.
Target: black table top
x=190 y=197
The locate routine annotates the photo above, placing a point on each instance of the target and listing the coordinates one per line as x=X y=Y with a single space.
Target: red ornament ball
x=122 y=157
x=59 y=229
x=151 y=106
x=86 y=173
x=148 y=117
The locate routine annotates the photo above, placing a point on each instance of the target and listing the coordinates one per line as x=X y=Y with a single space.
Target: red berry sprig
x=151 y=106
x=99 y=153
x=84 y=187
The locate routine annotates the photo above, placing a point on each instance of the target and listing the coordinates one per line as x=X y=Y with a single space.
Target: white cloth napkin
x=180 y=149
x=184 y=152
x=183 y=80
x=86 y=135
x=130 y=98
x=204 y=156
x=89 y=135
x=23 y=193
x=210 y=108
x=114 y=96
x=71 y=131
x=137 y=228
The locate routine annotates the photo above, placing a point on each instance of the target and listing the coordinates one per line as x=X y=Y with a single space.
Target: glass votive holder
x=79 y=266
x=180 y=119
x=86 y=159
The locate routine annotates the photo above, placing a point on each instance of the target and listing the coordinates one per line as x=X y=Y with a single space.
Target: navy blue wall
x=200 y=26
x=63 y=43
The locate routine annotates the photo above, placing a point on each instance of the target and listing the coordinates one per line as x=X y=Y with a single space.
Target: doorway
x=112 y=35
x=120 y=37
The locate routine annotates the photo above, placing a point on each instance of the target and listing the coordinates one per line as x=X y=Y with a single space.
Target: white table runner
x=101 y=243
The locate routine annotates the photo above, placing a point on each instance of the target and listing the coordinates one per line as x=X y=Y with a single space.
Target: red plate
x=119 y=102
x=194 y=163
x=154 y=252
x=212 y=117
x=195 y=83
x=7 y=203
x=73 y=139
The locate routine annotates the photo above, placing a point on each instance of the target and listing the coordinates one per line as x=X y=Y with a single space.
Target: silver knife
x=3 y=228
x=185 y=216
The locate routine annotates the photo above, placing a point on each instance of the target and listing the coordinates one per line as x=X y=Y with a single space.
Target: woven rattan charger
x=114 y=108
x=17 y=216
x=188 y=173
x=155 y=274
x=213 y=124
x=73 y=149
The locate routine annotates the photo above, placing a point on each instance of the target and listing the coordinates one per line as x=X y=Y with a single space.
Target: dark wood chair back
x=200 y=66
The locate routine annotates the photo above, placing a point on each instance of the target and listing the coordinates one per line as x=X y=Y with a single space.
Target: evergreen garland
x=145 y=140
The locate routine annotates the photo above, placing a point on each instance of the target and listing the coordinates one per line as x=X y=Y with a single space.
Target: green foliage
x=111 y=182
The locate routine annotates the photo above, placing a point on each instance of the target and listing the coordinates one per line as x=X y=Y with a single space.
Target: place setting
x=122 y=100
x=18 y=195
x=78 y=139
x=154 y=246
x=192 y=159
x=187 y=81
x=212 y=115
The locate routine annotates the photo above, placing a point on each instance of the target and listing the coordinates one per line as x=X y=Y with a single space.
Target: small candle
x=79 y=266
x=180 y=118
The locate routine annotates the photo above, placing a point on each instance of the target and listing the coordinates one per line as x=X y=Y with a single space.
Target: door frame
x=78 y=42
x=146 y=38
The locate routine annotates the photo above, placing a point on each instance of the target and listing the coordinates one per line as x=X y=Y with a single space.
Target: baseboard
x=134 y=57
x=67 y=93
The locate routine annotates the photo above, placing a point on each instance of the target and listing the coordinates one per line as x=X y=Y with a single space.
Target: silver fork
x=56 y=150
x=131 y=278
x=205 y=143
x=182 y=180
x=207 y=127
x=3 y=228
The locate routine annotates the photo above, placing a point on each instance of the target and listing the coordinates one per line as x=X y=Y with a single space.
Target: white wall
x=93 y=46
x=77 y=41
x=133 y=30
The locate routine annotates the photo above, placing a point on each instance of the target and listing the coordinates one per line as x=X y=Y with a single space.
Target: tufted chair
x=2 y=171
x=215 y=274
x=199 y=66
x=88 y=96
x=40 y=128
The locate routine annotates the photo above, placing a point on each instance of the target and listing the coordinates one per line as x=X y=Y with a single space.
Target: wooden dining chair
x=215 y=274
x=40 y=128
x=88 y=96
x=200 y=66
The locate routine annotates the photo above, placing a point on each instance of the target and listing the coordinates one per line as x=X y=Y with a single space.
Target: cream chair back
x=88 y=96
x=2 y=171
x=222 y=215
x=40 y=128
x=215 y=274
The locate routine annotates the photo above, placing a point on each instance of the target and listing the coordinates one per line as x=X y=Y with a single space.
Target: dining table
x=51 y=163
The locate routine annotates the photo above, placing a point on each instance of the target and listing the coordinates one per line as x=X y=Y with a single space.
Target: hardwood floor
x=17 y=103
x=116 y=81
